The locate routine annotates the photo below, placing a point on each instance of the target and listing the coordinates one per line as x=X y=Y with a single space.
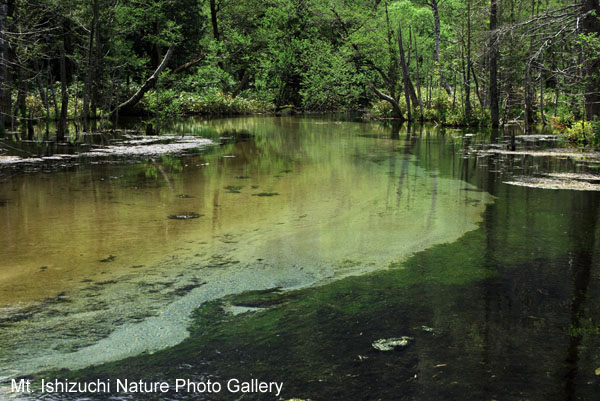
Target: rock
x=389 y=344
x=266 y=194
x=234 y=189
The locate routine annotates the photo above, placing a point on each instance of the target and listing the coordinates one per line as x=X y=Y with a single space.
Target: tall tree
x=2 y=61
x=434 y=4
x=493 y=63
x=590 y=24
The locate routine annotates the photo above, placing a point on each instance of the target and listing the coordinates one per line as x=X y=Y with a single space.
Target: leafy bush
x=212 y=102
x=382 y=108
x=584 y=132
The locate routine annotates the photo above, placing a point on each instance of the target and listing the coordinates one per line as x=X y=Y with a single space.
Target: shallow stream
x=347 y=232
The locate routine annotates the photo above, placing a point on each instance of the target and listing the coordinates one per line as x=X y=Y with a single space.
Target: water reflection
x=509 y=301
x=92 y=262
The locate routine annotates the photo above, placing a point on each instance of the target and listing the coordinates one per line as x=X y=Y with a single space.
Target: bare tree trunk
x=149 y=84
x=182 y=67
x=436 y=50
x=494 y=54
x=468 y=69
x=52 y=91
x=408 y=85
x=392 y=74
x=43 y=95
x=87 y=91
x=20 y=104
x=389 y=99
x=62 y=122
x=3 y=71
x=590 y=25
x=420 y=99
x=454 y=93
x=98 y=64
x=527 y=81
x=542 y=116
x=477 y=92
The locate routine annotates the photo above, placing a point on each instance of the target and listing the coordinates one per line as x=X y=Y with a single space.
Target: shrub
x=584 y=132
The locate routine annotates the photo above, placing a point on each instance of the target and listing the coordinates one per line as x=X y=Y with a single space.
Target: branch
x=187 y=65
x=149 y=84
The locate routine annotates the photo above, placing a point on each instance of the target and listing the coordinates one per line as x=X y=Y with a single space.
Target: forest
x=70 y=66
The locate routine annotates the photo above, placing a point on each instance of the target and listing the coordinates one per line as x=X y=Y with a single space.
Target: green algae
x=335 y=207
x=318 y=340
x=498 y=297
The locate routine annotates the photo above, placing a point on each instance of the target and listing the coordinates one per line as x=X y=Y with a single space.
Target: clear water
x=368 y=232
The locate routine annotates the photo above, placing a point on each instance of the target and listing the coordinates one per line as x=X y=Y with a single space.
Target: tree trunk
x=97 y=83
x=408 y=85
x=2 y=63
x=417 y=62
x=590 y=25
x=43 y=95
x=527 y=81
x=392 y=73
x=477 y=92
x=182 y=67
x=436 y=51
x=149 y=84
x=213 y=20
x=62 y=122
x=528 y=109
x=494 y=54
x=389 y=99
x=468 y=69
x=242 y=84
x=52 y=91
x=87 y=91
x=20 y=105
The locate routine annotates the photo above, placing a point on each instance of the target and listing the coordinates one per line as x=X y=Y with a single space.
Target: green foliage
x=382 y=108
x=330 y=82
x=584 y=133
x=316 y=55
x=171 y=103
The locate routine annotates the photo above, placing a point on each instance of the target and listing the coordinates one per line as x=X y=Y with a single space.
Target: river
x=310 y=238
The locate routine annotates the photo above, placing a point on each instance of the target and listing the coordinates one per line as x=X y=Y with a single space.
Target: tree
x=493 y=57
x=434 y=4
x=590 y=26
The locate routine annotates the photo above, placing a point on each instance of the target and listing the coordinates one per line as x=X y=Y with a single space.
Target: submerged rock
x=234 y=189
x=389 y=344
x=185 y=216
x=266 y=194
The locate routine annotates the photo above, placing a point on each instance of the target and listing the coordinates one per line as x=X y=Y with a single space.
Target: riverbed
x=286 y=246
